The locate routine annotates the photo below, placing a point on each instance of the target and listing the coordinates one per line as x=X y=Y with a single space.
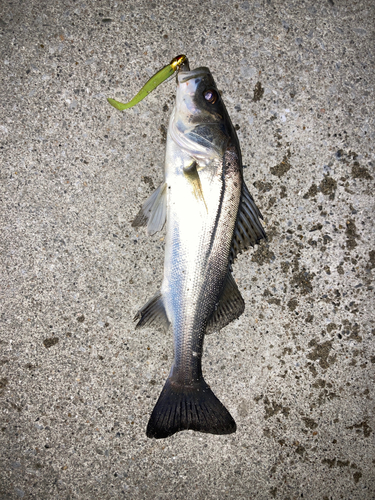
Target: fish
x=210 y=218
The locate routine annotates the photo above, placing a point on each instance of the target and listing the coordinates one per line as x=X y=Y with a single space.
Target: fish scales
x=210 y=217
x=197 y=247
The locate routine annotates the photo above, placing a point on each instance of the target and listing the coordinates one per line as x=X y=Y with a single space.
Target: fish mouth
x=184 y=76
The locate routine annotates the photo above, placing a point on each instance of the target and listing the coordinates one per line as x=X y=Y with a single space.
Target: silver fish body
x=210 y=217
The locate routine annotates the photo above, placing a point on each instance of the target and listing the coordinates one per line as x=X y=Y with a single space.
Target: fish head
x=200 y=124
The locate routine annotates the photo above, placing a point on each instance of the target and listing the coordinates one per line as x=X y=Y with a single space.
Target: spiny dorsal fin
x=230 y=307
x=153 y=313
x=153 y=211
x=248 y=230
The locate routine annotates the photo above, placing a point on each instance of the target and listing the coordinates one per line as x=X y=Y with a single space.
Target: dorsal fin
x=248 y=230
x=154 y=211
x=230 y=307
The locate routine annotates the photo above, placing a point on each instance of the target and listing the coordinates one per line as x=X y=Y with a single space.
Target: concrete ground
x=77 y=382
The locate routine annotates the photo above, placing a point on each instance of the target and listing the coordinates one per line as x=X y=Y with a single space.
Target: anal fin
x=153 y=313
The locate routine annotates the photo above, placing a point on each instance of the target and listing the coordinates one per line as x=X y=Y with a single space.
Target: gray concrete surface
x=78 y=382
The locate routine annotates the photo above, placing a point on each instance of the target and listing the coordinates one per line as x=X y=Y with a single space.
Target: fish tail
x=194 y=407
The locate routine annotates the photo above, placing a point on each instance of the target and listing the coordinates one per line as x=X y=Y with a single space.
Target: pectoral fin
x=191 y=173
x=154 y=211
x=230 y=307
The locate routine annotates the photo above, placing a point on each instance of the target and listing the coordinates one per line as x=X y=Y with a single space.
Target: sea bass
x=210 y=217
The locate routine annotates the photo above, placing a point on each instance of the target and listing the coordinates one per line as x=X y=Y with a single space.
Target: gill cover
x=200 y=124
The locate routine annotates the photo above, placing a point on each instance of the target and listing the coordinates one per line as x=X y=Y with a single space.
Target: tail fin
x=192 y=407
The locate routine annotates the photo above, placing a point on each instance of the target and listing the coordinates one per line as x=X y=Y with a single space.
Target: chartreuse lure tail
x=153 y=82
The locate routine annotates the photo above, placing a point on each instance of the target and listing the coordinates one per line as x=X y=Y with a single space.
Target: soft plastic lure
x=153 y=82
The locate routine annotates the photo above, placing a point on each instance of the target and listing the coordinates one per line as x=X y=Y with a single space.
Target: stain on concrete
x=292 y=304
x=273 y=491
x=283 y=167
x=326 y=239
x=16 y=407
x=331 y=327
x=263 y=255
x=331 y=462
x=3 y=383
x=274 y=300
x=350 y=331
x=273 y=408
x=148 y=180
x=303 y=281
x=285 y=265
x=363 y=426
x=163 y=132
x=263 y=187
x=371 y=261
x=50 y=342
x=342 y=463
x=258 y=92
x=312 y=192
x=320 y=352
x=357 y=476
x=271 y=201
x=351 y=234
x=336 y=462
x=310 y=423
x=300 y=450
x=328 y=186
x=325 y=396
x=359 y=172
x=340 y=269
x=309 y=318
x=283 y=192
x=319 y=383
x=316 y=227
x=313 y=370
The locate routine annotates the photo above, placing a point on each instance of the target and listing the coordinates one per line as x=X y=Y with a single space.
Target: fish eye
x=211 y=96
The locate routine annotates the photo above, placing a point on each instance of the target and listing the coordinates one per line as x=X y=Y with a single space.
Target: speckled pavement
x=296 y=371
